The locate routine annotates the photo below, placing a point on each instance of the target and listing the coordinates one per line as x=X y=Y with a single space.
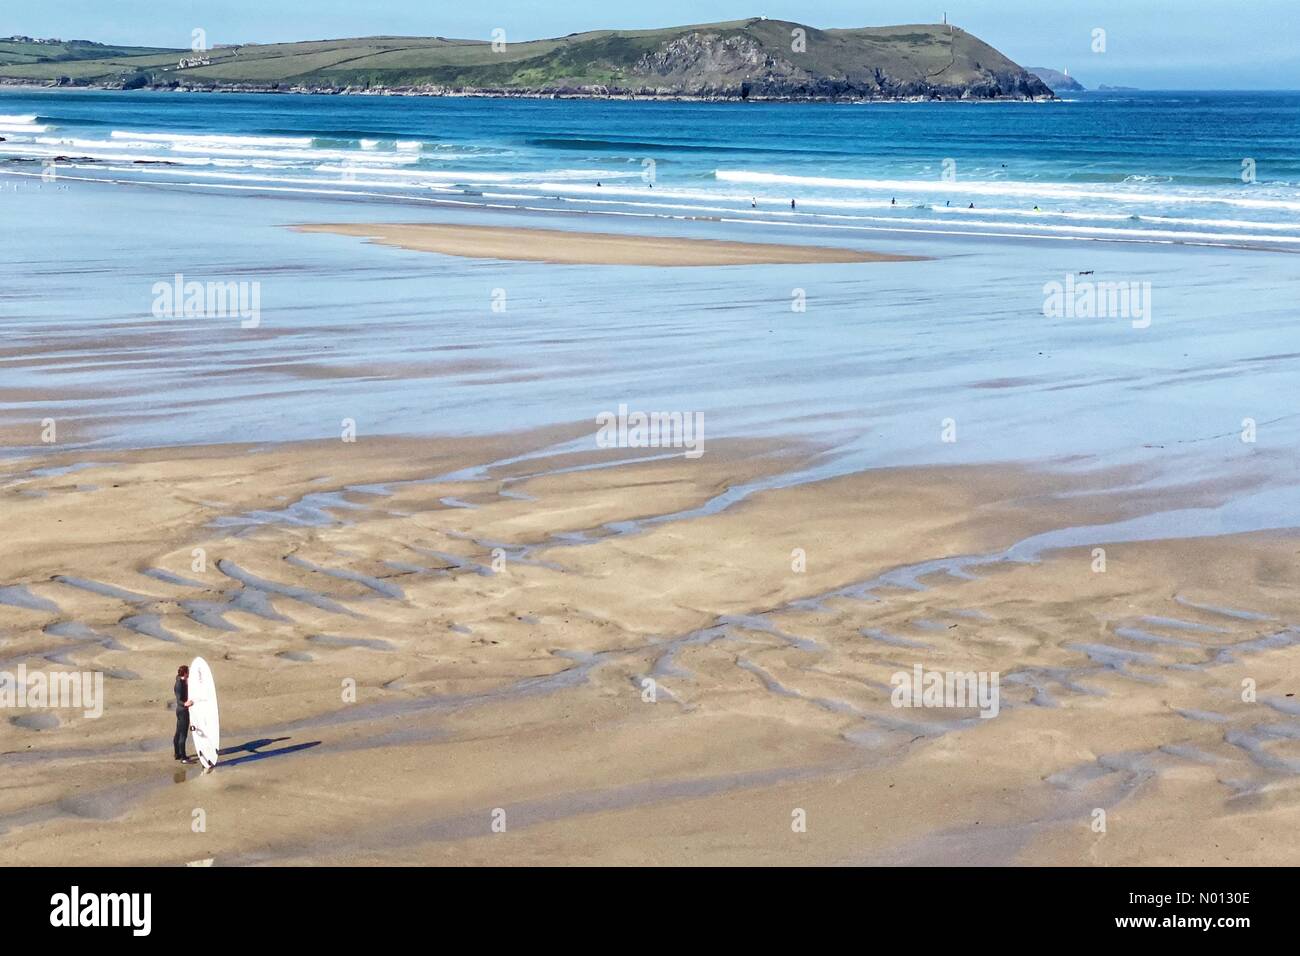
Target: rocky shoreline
x=849 y=94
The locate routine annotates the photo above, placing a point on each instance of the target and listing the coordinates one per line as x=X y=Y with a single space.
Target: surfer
x=791 y=203
x=183 y=702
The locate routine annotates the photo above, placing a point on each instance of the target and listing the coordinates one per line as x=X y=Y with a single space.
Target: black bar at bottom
x=333 y=906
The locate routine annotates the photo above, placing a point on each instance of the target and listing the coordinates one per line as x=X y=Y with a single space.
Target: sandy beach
x=500 y=624
x=451 y=625
x=569 y=247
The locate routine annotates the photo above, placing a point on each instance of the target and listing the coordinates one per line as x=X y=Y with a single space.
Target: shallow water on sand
x=409 y=342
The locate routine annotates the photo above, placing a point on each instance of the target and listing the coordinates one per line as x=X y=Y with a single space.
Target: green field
x=16 y=53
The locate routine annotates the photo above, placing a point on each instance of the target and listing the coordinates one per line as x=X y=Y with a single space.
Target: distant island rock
x=754 y=59
x=1057 y=80
x=1104 y=88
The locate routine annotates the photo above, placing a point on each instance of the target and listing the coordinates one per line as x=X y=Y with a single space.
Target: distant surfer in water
x=791 y=203
x=182 y=692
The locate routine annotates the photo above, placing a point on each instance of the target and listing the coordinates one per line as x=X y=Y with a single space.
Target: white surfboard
x=205 y=722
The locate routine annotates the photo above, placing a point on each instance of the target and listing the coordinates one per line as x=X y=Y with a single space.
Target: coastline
x=476 y=93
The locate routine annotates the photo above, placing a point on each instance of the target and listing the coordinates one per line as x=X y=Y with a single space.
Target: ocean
x=1213 y=168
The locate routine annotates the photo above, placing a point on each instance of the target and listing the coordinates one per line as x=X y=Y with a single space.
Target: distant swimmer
x=753 y=203
x=1088 y=273
x=791 y=203
x=971 y=206
x=947 y=202
x=1035 y=209
x=598 y=184
x=894 y=201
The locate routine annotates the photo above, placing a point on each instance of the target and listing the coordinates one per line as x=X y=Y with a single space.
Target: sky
x=1152 y=44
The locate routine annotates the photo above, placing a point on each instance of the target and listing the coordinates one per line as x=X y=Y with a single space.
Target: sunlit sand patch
x=590 y=248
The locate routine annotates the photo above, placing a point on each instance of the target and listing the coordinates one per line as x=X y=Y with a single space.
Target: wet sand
x=591 y=248
x=501 y=618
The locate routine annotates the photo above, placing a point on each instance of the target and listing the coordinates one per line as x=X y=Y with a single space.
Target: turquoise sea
x=1196 y=167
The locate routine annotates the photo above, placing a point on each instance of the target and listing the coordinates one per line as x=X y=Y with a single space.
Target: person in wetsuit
x=181 y=690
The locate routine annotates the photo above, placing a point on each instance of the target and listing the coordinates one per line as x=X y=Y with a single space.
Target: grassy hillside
x=744 y=58
x=18 y=52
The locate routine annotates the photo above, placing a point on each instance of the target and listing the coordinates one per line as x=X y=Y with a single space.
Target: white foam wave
x=7 y=127
x=540 y=179
x=100 y=149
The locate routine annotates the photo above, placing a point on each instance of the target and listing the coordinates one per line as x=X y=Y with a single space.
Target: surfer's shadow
x=252 y=750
